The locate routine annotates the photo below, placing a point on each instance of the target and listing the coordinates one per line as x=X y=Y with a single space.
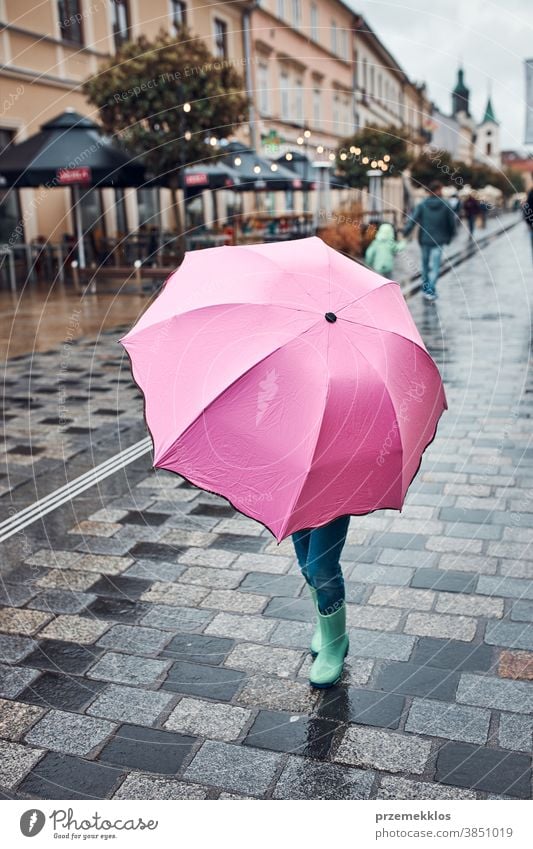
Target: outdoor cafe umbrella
x=288 y=379
x=303 y=168
x=257 y=173
x=69 y=150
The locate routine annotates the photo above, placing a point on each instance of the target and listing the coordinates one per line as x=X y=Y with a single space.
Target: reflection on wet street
x=154 y=642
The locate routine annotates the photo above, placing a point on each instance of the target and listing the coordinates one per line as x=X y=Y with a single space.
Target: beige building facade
x=314 y=70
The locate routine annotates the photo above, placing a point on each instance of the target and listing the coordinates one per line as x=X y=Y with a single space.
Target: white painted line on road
x=65 y=493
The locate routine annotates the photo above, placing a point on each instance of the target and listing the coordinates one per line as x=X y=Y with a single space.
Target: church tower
x=460 y=96
x=487 y=144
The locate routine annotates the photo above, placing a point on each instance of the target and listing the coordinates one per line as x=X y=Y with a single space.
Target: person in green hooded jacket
x=381 y=252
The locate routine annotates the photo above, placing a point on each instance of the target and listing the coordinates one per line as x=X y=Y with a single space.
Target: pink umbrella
x=288 y=379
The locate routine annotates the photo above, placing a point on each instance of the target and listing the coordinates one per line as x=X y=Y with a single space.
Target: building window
x=365 y=74
x=489 y=148
x=281 y=10
x=178 y=14
x=372 y=81
x=333 y=37
x=221 y=38
x=264 y=89
x=314 y=21
x=69 y=14
x=296 y=13
x=317 y=106
x=121 y=22
x=344 y=43
x=299 y=102
x=284 y=94
x=380 y=87
x=336 y=114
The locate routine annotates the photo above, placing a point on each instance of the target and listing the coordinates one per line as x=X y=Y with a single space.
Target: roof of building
x=460 y=87
x=489 y=113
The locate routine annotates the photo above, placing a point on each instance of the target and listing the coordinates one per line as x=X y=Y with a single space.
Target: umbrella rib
x=250 y=249
x=394 y=333
x=228 y=386
x=366 y=294
x=310 y=464
x=372 y=366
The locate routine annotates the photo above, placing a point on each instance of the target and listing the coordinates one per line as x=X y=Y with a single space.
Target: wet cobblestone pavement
x=153 y=642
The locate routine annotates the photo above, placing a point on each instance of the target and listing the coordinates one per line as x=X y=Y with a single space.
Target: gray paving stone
x=514 y=635
x=74 y=629
x=242 y=627
x=61 y=601
x=441 y=625
x=16 y=761
x=67 y=579
x=129 y=704
x=521 y=611
x=375 y=574
x=71 y=733
x=477 y=563
x=303 y=778
x=272 y=563
x=403 y=597
x=373 y=618
x=489 y=770
x=128 y=669
x=208 y=576
x=237 y=768
x=441 y=719
x=234 y=601
x=219 y=558
x=134 y=639
x=269 y=659
x=14 y=679
x=412 y=559
x=384 y=646
x=444 y=581
x=277 y=694
x=516 y=732
x=494 y=585
x=138 y=785
x=14 y=648
x=394 y=787
x=469 y=605
x=155 y=570
x=175 y=594
x=185 y=619
x=294 y=635
x=515 y=696
x=388 y=750
x=16 y=718
x=27 y=622
x=207 y=719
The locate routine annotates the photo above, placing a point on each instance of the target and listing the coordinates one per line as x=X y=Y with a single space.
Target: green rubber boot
x=327 y=666
x=316 y=639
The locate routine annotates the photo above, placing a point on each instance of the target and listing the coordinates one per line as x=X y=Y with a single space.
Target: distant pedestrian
x=527 y=211
x=455 y=203
x=436 y=228
x=381 y=252
x=484 y=209
x=471 y=209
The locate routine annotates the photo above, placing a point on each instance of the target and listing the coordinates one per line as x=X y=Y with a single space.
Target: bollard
x=75 y=275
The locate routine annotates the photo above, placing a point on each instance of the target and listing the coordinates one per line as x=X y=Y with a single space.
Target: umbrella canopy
x=288 y=379
x=210 y=175
x=256 y=173
x=69 y=149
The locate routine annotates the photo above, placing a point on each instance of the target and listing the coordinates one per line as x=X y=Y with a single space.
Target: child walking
x=381 y=252
x=318 y=552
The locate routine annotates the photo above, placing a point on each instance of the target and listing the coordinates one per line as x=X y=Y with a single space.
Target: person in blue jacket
x=436 y=228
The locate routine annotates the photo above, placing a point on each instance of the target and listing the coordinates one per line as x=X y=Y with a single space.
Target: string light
x=288 y=157
x=343 y=156
x=188 y=135
x=273 y=167
x=299 y=140
x=373 y=164
x=186 y=107
x=213 y=141
x=331 y=157
x=237 y=160
x=320 y=149
x=365 y=160
x=307 y=134
x=386 y=158
x=257 y=169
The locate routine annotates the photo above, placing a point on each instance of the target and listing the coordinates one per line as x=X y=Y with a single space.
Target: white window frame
x=284 y=95
x=314 y=21
x=263 y=86
x=299 y=101
x=334 y=40
x=317 y=106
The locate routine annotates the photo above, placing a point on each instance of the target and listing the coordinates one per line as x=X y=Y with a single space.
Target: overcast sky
x=491 y=38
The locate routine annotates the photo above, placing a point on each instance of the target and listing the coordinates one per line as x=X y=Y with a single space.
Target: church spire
x=489 y=113
x=460 y=95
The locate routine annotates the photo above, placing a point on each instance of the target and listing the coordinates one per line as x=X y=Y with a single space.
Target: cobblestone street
x=154 y=642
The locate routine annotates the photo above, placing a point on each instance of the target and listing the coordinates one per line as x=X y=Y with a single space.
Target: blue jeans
x=431 y=259
x=318 y=552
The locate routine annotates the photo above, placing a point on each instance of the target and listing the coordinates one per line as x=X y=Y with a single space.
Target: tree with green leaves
x=386 y=148
x=434 y=164
x=165 y=98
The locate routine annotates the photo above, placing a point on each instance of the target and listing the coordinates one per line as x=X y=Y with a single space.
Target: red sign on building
x=200 y=179
x=66 y=176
